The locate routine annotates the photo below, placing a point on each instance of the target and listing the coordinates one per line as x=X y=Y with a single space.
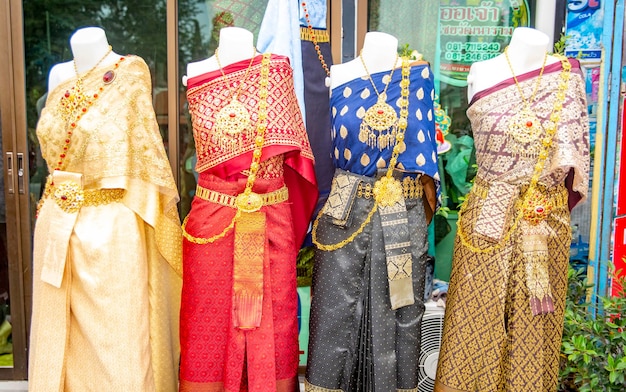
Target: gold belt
x=70 y=197
x=321 y=35
x=536 y=204
x=275 y=197
x=411 y=189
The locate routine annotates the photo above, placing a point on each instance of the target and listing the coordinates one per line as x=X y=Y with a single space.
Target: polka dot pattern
x=350 y=101
x=352 y=327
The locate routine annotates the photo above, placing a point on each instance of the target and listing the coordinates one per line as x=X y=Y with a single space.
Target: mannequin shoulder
x=487 y=67
x=59 y=73
x=138 y=68
x=200 y=67
x=344 y=72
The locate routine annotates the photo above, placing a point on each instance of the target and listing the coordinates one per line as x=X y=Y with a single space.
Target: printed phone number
x=469 y=57
x=456 y=46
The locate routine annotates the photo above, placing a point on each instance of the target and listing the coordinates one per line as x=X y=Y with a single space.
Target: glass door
x=14 y=272
x=34 y=35
x=199 y=25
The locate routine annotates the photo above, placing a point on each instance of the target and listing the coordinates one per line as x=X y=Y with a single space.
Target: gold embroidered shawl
x=116 y=144
x=501 y=158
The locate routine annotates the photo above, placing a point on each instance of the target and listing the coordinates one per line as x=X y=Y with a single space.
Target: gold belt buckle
x=250 y=202
x=387 y=191
x=69 y=196
x=537 y=206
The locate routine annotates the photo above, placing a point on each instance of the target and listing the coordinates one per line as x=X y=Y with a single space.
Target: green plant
x=559 y=46
x=593 y=344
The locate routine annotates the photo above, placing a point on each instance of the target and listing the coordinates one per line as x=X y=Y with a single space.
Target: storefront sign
x=474 y=30
x=583 y=29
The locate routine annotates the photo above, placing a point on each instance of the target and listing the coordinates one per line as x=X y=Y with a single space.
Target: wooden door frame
x=14 y=137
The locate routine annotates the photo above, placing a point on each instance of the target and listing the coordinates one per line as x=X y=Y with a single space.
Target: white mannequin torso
x=235 y=44
x=88 y=45
x=526 y=51
x=379 y=51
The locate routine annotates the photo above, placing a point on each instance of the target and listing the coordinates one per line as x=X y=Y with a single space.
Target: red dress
x=216 y=355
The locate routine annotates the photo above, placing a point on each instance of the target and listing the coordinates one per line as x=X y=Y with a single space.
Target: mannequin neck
x=89 y=46
x=235 y=44
x=379 y=51
x=528 y=48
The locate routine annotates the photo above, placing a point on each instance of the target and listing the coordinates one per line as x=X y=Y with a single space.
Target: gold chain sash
x=533 y=207
x=388 y=196
x=247 y=201
x=387 y=190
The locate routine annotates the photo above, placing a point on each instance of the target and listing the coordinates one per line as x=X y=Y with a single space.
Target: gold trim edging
x=320 y=35
x=275 y=197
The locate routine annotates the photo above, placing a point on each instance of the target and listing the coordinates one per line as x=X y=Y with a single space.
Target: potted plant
x=594 y=339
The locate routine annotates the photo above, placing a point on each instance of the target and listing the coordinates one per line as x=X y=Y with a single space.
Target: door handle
x=20 y=173
x=10 y=173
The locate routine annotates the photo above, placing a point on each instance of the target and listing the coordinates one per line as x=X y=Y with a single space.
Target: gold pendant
x=250 y=202
x=379 y=125
x=537 y=205
x=233 y=119
x=69 y=196
x=72 y=100
x=387 y=191
x=525 y=127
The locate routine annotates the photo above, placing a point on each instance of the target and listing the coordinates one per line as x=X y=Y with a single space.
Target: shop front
x=168 y=35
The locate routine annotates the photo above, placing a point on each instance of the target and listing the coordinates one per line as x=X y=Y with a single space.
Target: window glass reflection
x=199 y=26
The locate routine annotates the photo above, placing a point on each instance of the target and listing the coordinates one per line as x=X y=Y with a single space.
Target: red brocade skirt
x=216 y=356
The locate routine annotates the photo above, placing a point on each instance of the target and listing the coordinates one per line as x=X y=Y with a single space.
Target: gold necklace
x=247 y=201
x=534 y=205
x=387 y=190
x=380 y=122
x=75 y=99
x=233 y=120
x=320 y=56
x=74 y=104
x=524 y=127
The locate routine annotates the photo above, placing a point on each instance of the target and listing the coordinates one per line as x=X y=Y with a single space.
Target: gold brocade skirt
x=97 y=332
x=491 y=340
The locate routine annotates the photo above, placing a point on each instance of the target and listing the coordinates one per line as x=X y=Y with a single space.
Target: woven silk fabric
x=357 y=342
x=499 y=156
x=316 y=102
x=285 y=134
x=216 y=356
x=112 y=325
x=349 y=102
x=491 y=339
x=210 y=92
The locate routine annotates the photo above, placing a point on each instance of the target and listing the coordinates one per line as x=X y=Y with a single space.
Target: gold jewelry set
x=525 y=127
x=247 y=201
x=387 y=190
x=380 y=122
x=536 y=203
x=232 y=121
x=267 y=199
x=411 y=189
x=75 y=102
x=73 y=105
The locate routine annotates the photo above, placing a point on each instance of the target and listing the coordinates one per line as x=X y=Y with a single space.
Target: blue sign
x=583 y=29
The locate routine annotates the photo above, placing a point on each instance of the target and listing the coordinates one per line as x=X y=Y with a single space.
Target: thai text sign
x=475 y=30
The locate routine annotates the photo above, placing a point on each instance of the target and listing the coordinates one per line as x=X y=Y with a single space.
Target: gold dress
x=504 y=312
x=107 y=245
